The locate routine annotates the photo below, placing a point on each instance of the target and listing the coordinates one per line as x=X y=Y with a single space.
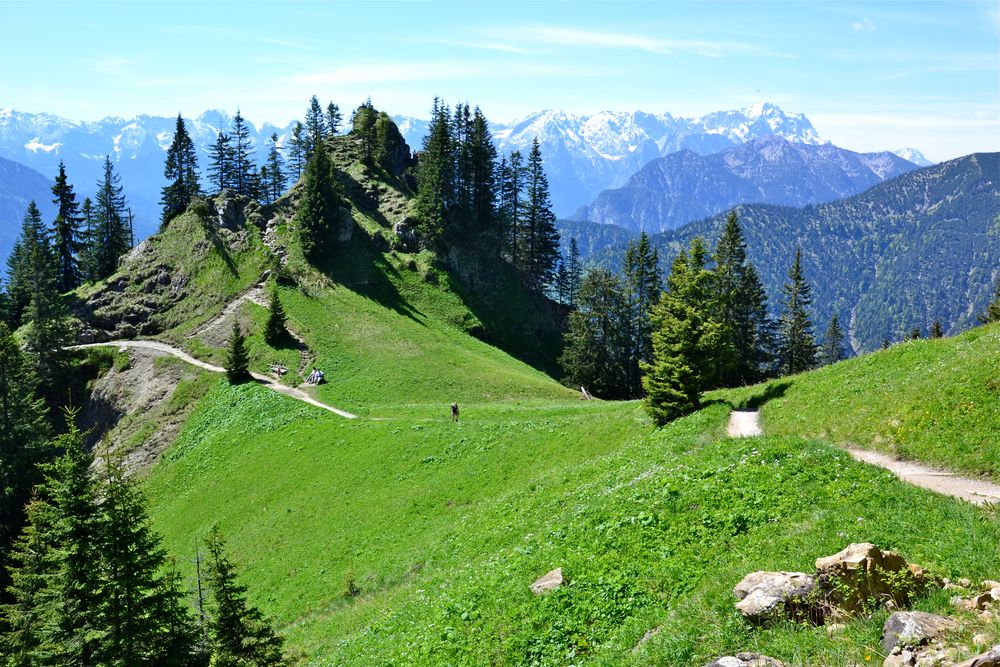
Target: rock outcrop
x=862 y=574
x=763 y=596
x=910 y=629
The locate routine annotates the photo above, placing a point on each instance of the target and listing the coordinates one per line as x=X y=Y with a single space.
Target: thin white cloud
x=292 y=43
x=864 y=25
x=440 y=70
x=470 y=44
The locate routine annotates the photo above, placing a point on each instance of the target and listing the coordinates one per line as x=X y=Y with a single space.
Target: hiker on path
x=454 y=412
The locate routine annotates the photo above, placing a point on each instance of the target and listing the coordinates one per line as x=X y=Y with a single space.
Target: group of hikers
x=316 y=377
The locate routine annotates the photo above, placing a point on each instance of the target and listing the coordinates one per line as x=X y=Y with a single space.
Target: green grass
x=936 y=401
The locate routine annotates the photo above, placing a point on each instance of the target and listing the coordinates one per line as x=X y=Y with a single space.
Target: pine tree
x=833 y=342
x=65 y=233
x=49 y=331
x=181 y=172
x=333 y=119
x=21 y=266
x=314 y=127
x=542 y=239
x=244 y=172
x=482 y=172
x=742 y=304
x=221 y=167
x=595 y=346
x=275 y=170
x=275 y=332
x=511 y=195
x=797 y=345
x=642 y=285
x=686 y=339
x=112 y=223
x=992 y=313
x=241 y=636
x=363 y=123
x=435 y=177
x=915 y=333
x=574 y=269
x=318 y=205
x=88 y=257
x=237 y=359
x=297 y=149
x=937 y=331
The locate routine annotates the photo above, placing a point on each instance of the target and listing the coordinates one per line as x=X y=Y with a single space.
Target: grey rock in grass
x=913 y=628
x=763 y=596
x=547 y=582
x=863 y=573
x=745 y=660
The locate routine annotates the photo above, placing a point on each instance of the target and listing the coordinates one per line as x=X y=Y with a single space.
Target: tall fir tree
x=220 y=169
x=317 y=211
x=241 y=636
x=798 y=350
x=832 y=350
x=937 y=331
x=363 y=127
x=686 y=339
x=435 y=177
x=643 y=284
x=314 y=127
x=244 y=172
x=574 y=270
x=482 y=172
x=511 y=195
x=742 y=311
x=237 y=357
x=333 y=119
x=275 y=333
x=49 y=330
x=21 y=267
x=88 y=257
x=297 y=149
x=112 y=221
x=181 y=172
x=541 y=236
x=277 y=180
x=66 y=241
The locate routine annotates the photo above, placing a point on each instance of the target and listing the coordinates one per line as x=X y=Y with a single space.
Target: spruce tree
x=363 y=122
x=276 y=180
x=686 y=339
x=992 y=313
x=833 y=342
x=112 y=222
x=314 y=127
x=511 y=191
x=21 y=267
x=915 y=333
x=49 y=330
x=541 y=236
x=237 y=358
x=66 y=243
x=317 y=211
x=937 y=331
x=797 y=345
x=244 y=171
x=574 y=269
x=220 y=169
x=241 y=636
x=297 y=149
x=181 y=172
x=643 y=285
x=482 y=172
x=275 y=333
x=435 y=177
x=88 y=257
x=333 y=119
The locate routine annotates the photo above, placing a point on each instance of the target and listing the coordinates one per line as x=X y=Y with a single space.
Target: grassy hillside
x=936 y=401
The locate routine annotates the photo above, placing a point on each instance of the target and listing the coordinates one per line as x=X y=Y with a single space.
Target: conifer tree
x=49 y=331
x=275 y=332
x=992 y=313
x=797 y=345
x=333 y=119
x=541 y=236
x=364 y=121
x=435 y=176
x=240 y=633
x=112 y=222
x=686 y=339
x=237 y=358
x=181 y=172
x=21 y=266
x=297 y=149
x=276 y=180
x=314 y=127
x=915 y=333
x=66 y=243
x=221 y=167
x=642 y=285
x=574 y=270
x=595 y=343
x=482 y=158
x=512 y=179
x=317 y=210
x=560 y=284
x=244 y=171
x=833 y=342
x=88 y=258
x=742 y=304
x=937 y=331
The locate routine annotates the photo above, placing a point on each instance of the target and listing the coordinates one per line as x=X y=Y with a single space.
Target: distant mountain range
x=585 y=154
x=921 y=247
x=671 y=191
x=18 y=186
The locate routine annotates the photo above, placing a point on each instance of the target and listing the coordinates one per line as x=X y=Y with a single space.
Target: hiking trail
x=743 y=424
x=268 y=381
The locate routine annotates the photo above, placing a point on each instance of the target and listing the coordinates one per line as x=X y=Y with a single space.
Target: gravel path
x=268 y=381
x=744 y=424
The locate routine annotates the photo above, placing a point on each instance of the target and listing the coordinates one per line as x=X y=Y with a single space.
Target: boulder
x=547 y=582
x=909 y=629
x=765 y=595
x=863 y=573
x=989 y=659
x=745 y=660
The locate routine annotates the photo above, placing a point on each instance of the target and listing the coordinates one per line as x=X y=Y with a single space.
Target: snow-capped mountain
x=585 y=154
x=914 y=156
x=18 y=186
x=682 y=187
x=136 y=146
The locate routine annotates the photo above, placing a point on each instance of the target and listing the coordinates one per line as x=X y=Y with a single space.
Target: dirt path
x=978 y=492
x=271 y=383
x=744 y=424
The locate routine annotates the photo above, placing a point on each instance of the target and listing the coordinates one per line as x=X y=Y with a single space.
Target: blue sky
x=869 y=76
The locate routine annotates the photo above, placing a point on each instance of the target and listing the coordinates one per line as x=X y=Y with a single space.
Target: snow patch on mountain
x=914 y=156
x=35 y=145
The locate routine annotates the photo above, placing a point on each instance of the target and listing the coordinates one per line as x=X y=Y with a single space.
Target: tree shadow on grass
x=771 y=391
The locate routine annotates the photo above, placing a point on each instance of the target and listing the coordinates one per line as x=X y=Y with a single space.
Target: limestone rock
x=908 y=629
x=764 y=595
x=989 y=659
x=745 y=660
x=862 y=572
x=547 y=582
